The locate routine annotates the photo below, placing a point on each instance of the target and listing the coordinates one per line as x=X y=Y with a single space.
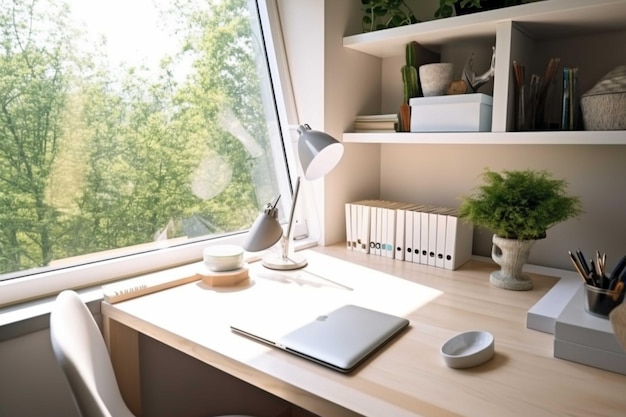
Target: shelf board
x=613 y=137
x=545 y=18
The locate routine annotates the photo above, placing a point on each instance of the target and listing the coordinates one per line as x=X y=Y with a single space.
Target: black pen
x=619 y=268
x=593 y=273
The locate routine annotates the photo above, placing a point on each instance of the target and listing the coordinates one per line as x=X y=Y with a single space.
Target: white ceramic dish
x=221 y=258
x=468 y=349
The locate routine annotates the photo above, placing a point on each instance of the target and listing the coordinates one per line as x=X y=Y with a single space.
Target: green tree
x=34 y=74
x=94 y=159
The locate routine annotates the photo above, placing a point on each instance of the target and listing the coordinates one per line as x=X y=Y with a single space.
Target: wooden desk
x=408 y=377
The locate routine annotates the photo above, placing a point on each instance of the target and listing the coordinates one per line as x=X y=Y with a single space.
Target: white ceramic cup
x=435 y=78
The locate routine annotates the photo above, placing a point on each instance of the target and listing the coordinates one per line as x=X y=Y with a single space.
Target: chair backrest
x=80 y=350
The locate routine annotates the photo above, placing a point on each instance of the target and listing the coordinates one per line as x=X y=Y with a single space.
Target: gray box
x=584 y=338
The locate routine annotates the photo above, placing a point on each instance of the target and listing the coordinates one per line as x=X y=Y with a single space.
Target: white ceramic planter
x=511 y=255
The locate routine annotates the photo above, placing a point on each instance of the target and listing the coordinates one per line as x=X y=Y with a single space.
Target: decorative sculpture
x=474 y=81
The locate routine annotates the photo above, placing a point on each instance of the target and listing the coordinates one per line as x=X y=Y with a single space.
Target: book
x=376 y=123
x=570 y=108
x=573 y=106
x=566 y=100
x=377 y=118
x=373 y=125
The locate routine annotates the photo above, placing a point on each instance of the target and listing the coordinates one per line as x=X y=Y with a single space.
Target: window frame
x=41 y=284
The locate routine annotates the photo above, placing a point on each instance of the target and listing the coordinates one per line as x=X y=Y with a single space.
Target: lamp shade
x=265 y=231
x=319 y=152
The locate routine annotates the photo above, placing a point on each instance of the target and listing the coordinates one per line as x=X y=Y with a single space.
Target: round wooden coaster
x=223 y=278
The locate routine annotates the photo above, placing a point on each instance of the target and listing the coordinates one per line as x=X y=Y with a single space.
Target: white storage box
x=454 y=113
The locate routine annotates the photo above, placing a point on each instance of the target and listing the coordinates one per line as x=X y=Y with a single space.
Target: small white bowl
x=221 y=258
x=468 y=349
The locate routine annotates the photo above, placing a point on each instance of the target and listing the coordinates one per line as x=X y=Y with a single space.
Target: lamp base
x=281 y=263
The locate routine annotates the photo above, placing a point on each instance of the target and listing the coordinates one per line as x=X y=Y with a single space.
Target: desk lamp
x=319 y=153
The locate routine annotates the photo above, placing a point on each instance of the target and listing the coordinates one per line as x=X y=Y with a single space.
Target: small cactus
x=410 y=79
x=410 y=76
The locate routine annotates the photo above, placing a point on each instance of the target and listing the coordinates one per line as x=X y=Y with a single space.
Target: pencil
x=578 y=267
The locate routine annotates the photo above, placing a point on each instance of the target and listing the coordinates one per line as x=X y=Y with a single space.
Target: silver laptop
x=341 y=339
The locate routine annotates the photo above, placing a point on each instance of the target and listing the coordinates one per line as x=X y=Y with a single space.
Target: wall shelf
x=573 y=30
x=614 y=137
x=545 y=19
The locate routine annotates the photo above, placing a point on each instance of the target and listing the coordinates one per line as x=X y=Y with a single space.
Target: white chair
x=80 y=350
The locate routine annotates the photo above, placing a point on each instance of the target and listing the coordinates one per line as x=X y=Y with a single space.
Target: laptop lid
x=341 y=339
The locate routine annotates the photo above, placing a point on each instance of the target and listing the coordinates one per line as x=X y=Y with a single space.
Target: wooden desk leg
x=123 y=344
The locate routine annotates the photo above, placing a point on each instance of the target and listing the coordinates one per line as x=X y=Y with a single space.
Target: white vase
x=511 y=255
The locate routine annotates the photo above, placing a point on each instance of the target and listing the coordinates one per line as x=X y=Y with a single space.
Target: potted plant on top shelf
x=518 y=207
x=446 y=7
x=384 y=14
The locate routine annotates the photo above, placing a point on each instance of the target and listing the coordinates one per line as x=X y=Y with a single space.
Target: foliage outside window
x=100 y=158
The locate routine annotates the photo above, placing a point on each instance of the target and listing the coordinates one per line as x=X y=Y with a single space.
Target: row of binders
x=417 y=233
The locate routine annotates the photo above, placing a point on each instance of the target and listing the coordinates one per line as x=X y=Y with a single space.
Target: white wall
x=329 y=84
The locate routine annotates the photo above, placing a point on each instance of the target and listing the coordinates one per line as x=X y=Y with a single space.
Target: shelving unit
x=584 y=33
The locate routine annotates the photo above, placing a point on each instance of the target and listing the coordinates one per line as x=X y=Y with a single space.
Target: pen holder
x=600 y=302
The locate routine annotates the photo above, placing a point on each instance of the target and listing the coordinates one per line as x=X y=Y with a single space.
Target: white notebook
x=341 y=339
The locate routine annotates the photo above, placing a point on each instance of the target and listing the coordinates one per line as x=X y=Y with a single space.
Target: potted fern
x=518 y=207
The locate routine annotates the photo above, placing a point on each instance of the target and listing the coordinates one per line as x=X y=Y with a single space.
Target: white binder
x=432 y=238
x=401 y=215
x=459 y=236
x=363 y=241
x=354 y=217
x=440 y=247
x=424 y=228
x=379 y=230
x=417 y=236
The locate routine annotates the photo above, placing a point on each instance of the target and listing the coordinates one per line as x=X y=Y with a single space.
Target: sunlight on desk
x=279 y=302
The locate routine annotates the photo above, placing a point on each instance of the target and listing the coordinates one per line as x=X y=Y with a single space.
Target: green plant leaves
x=519 y=204
x=383 y=14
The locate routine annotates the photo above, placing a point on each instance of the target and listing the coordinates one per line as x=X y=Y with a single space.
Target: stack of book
x=408 y=232
x=376 y=123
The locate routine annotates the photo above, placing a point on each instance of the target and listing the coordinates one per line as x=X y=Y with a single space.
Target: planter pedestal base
x=502 y=280
x=511 y=255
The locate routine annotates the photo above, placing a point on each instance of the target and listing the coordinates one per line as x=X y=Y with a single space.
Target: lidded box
x=453 y=113
x=604 y=106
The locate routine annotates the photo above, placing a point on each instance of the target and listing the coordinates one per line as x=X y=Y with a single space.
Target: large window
x=130 y=127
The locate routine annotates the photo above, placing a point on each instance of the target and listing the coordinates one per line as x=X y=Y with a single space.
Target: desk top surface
x=408 y=376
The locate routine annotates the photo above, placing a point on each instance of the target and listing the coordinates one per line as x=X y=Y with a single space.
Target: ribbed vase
x=511 y=255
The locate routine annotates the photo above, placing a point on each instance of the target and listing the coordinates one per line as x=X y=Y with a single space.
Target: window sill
x=30 y=316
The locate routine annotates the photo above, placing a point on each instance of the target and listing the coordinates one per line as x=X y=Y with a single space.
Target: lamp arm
x=286 y=239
